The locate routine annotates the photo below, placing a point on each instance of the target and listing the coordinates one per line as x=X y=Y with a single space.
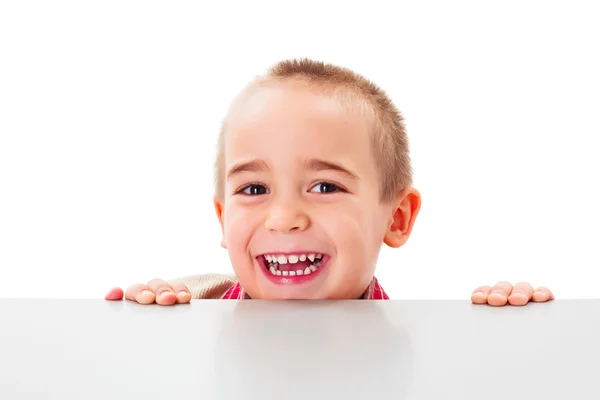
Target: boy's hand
x=517 y=295
x=156 y=291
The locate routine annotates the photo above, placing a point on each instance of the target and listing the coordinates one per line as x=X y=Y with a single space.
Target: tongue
x=294 y=267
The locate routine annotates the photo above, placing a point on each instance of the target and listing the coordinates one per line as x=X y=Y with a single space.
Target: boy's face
x=301 y=213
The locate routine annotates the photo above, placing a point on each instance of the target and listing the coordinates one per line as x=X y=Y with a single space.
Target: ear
x=404 y=213
x=219 y=211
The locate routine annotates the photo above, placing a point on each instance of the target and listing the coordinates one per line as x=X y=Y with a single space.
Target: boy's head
x=312 y=176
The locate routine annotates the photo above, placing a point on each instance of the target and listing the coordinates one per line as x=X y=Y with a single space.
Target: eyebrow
x=316 y=164
x=249 y=166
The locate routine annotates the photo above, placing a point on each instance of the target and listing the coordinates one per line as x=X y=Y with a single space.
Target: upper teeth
x=292 y=259
x=274 y=260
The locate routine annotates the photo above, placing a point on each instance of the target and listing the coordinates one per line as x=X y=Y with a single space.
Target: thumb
x=114 y=294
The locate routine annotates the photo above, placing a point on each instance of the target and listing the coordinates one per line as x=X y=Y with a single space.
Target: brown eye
x=325 y=187
x=255 y=190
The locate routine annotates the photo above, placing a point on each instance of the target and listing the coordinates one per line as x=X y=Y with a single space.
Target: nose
x=287 y=216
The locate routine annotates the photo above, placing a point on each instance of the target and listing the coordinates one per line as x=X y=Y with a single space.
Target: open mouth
x=293 y=264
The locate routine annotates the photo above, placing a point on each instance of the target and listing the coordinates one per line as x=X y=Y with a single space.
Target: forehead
x=297 y=122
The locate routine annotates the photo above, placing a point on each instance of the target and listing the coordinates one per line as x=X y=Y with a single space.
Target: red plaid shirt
x=373 y=292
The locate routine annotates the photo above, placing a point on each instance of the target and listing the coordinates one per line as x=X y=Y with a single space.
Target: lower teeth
x=274 y=268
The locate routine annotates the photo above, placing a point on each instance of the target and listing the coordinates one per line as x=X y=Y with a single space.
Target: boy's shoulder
x=207 y=286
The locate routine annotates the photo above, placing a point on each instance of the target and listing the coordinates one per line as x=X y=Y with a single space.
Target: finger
x=542 y=294
x=481 y=294
x=165 y=296
x=521 y=294
x=182 y=293
x=114 y=294
x=499 y=294
x=140 y=293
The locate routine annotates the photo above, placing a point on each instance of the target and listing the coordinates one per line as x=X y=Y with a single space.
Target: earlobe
x=219 y=211
x=405 y=212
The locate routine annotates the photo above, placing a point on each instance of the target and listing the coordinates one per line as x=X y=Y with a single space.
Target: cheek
x=354 y=229
x=238 y=225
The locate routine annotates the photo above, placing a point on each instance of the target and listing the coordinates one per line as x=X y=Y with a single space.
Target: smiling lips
x=293 y=264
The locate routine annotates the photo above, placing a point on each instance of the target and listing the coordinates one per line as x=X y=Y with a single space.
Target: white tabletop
x=219 y=349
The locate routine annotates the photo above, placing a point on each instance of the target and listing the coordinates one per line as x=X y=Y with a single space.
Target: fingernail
x=477 y=292
x=501 y=293
x=162 y=294
x=145 y=296
x=181 y=294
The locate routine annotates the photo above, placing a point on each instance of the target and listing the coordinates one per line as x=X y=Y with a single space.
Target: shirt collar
x=374 y=292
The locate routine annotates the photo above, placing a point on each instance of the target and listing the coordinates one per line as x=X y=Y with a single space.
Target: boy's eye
x=325 y=187
x=254 y=190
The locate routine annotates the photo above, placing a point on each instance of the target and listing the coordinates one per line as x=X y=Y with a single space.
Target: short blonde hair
x=390 y=142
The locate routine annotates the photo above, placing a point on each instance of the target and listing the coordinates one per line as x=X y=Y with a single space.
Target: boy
x=312 y=175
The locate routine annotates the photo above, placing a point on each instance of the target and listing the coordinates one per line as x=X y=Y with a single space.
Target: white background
x=109 y=113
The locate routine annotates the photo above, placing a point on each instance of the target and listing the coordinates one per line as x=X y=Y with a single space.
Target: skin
x=276 y=200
